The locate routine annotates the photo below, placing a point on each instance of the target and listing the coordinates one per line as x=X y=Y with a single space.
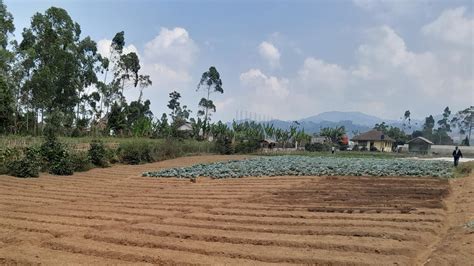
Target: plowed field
x=115 y=216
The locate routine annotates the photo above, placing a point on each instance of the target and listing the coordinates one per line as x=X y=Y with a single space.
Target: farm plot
x=115 y=216
x=310 y=166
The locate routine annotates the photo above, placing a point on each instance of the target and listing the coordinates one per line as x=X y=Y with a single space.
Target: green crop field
x=311 y=166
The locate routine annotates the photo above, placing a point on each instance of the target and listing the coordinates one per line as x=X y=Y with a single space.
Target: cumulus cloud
x=387 y=78
x=173 y=46
x=323 y=75
x=452 y=26
x=265 y=86
x=270 y=53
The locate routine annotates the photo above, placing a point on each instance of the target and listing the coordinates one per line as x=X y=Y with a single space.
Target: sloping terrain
x=115 y=216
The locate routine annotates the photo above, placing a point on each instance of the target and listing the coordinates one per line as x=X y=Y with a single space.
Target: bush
x=63 y=166
x=136 y=152
x=27 y=165
x=81 y=162
x=7 y=156
x=56 y=156
x=112 y=155
x=313 y=147
x=247 y=146
x=224 y=145
x=98 y=154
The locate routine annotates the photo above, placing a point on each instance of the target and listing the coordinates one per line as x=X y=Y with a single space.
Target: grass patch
x=464 y=169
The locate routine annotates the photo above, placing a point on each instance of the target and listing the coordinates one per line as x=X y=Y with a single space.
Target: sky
x=290 y=59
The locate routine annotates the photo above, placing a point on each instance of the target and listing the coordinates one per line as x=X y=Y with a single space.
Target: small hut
x=419 y=145
x=267 y=144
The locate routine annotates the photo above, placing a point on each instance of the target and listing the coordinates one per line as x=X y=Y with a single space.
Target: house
x=186 y=127
x=419 y=145
x=374 y=140
x=318 y=139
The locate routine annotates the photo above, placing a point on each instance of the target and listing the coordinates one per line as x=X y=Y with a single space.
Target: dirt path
x=456 y=247
x=115 y=216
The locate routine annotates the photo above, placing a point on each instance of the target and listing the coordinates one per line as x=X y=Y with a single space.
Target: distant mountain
x=357 y=118
x=353 y=122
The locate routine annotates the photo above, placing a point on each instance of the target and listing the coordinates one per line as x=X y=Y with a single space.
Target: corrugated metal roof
x=423 y=139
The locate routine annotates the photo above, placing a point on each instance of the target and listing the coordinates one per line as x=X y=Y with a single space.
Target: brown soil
x=115 y=216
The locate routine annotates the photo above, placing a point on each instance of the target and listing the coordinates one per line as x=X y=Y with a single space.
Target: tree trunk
x=207 y=110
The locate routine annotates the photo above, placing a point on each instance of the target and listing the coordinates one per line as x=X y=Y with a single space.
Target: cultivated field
x=116 y=216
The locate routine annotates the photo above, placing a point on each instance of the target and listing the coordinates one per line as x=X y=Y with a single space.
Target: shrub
x=27 y=165
x=81 y=162
x=112 y=155
x=312 y=147
x=63 y=166
x=56 y=156
x=224 y=145
x=98 y=154
x=136 y=152
x=247 y=146
x=7 y=156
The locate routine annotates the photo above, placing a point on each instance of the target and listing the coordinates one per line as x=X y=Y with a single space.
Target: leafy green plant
x=98 y=154
x=81 y=162
x=26 y=165
x=63 y=166
x=56 y=156
x=311 y=166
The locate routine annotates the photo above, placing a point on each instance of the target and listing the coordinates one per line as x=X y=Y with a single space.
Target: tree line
x=435 y=131
x=55 y=80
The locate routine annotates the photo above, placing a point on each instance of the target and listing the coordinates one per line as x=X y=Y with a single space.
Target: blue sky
x=291 y=59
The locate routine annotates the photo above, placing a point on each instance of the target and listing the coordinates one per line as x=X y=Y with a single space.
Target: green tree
x=444 y=123
x=406 y=120
x=428 y=127
x=59 y=64
x=129 y=67
x=179 y=115
x=6 y=28
x=7 y=107
x=333 y=134
x=464 y=120
x=110 y=91
x=210 y=82
x=382 y=127
x=7 y=95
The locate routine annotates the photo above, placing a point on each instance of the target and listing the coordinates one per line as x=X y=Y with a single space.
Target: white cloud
x=270 y=53
x=387 y=79
x=265 y=86
x=173 y=46
x=323 y=75
x=452 y=26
